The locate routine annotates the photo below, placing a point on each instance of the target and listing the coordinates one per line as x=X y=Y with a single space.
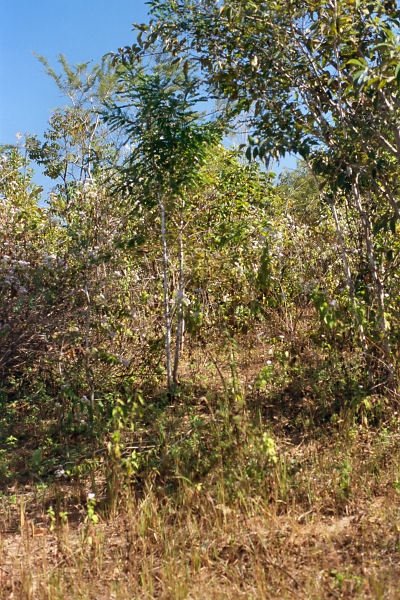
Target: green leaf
x=357 y=61
x=358 y=75
x=397 y=73
x=381 y=223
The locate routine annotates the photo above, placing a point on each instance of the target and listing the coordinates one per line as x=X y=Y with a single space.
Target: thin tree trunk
x=180 y=321
x=349 y=278
x=167 y=316
x=346 y=266
x=379 y=291
x=89 y=375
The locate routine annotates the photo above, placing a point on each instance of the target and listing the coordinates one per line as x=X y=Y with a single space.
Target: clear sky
x=81 y=30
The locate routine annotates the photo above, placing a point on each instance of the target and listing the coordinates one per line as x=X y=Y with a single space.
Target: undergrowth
x=255 y=479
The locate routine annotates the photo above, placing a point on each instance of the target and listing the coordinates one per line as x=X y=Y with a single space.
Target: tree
x=169 y=143
x=75 y=144
x=315 y=78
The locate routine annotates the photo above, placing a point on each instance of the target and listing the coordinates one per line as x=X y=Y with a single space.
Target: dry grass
x=328 y=526
x=321 y=522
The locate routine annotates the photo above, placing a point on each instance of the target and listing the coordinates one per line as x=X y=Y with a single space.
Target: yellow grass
x=328 y=526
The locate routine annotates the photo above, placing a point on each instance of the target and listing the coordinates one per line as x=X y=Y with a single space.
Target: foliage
x=318 y=79
x=168 y=148
x=279 y=297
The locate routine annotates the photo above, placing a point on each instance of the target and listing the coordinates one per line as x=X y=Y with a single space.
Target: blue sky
x=81 y=31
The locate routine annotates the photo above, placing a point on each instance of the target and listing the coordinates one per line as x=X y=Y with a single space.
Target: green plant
x=92 y=517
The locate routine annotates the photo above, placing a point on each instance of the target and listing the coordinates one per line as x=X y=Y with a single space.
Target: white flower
x=59 y=472
x=91 y=496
